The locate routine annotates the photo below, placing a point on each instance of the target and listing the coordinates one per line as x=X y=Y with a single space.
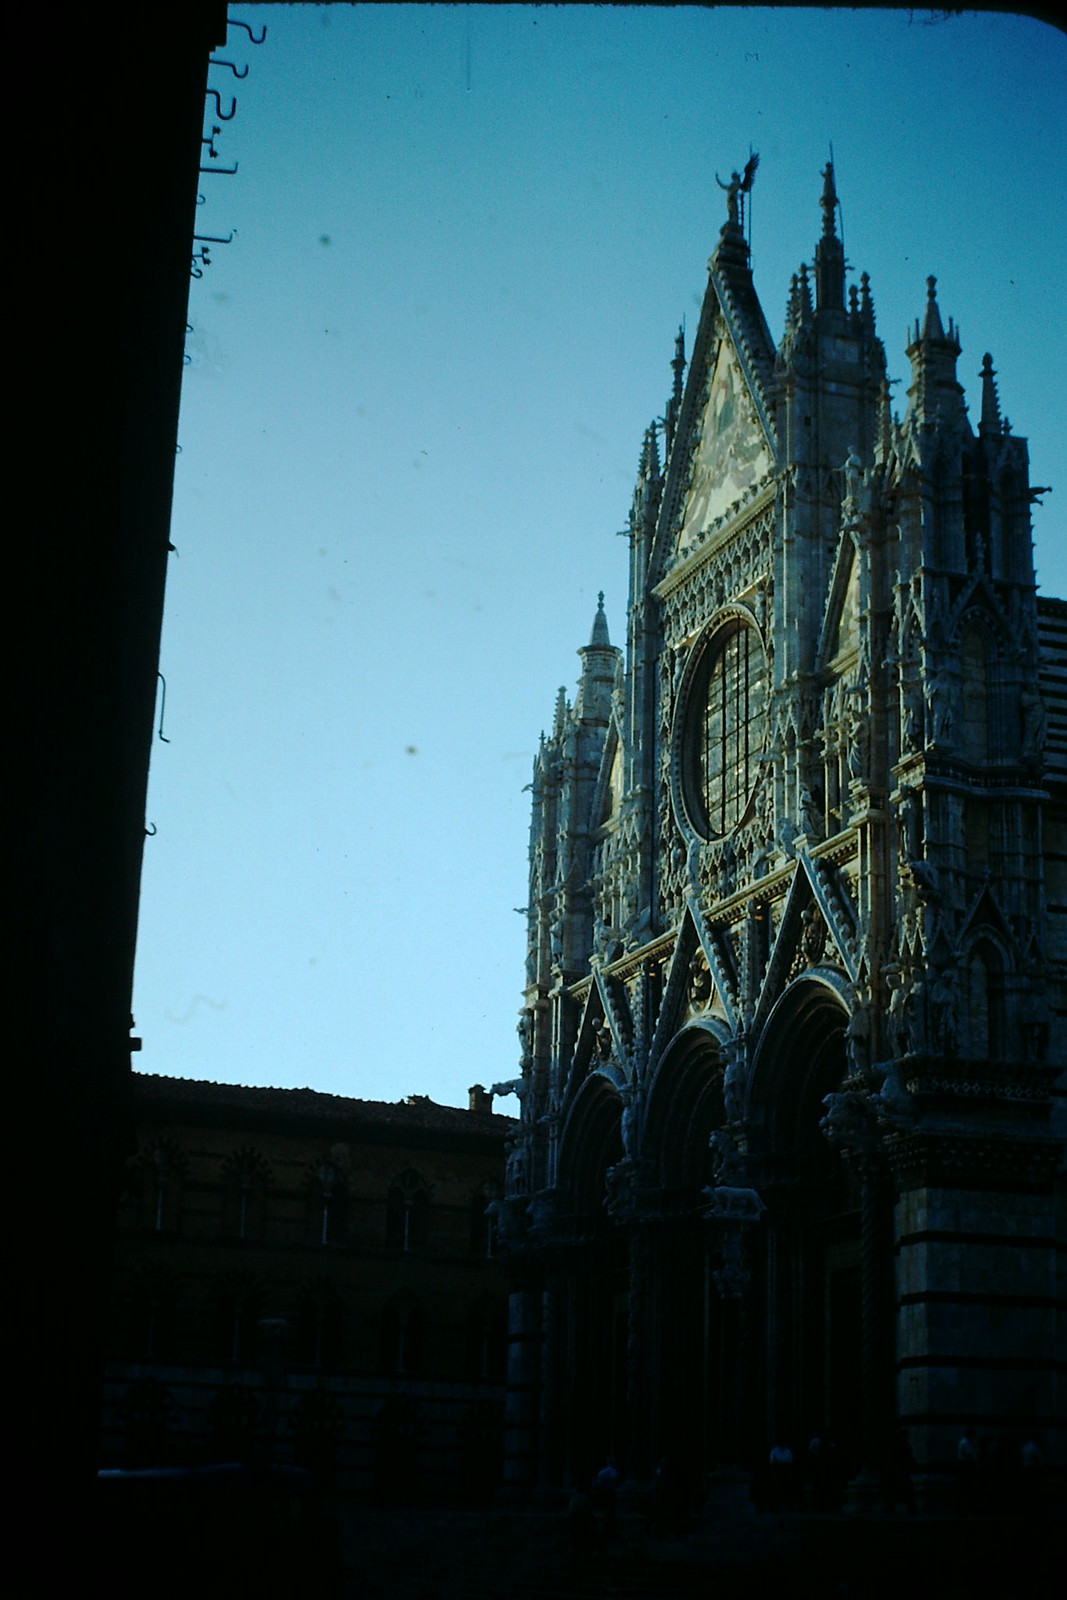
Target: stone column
x=521 y=1430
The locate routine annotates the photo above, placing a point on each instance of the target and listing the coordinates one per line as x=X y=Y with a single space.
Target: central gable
x=732 y=454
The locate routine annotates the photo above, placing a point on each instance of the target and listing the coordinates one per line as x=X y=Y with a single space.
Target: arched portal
x=677 y=1313
x=586 y=1295
x=806 y=1375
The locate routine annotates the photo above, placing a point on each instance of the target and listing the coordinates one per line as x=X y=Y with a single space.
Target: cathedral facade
x=791 y=1151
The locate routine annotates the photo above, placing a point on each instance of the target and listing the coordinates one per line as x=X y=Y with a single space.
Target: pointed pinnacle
x=828 y=201
x=599 y=638
x=989 y=426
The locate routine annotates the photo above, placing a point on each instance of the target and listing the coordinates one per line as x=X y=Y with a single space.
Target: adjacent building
x=791 y=1158
x=313 y=1280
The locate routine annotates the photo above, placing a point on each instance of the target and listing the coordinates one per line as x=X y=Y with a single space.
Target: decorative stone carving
x=1033 y=722
x=699 y=980
x=729 y=1204
x=848 y=1120
x=727 y=1162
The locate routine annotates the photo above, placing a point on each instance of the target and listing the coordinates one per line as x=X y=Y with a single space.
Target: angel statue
x=739 y=184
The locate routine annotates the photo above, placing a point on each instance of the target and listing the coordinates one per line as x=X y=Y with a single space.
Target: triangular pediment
x=732 y=453
x=809 y=935
x=985 y=912
x=700 y=982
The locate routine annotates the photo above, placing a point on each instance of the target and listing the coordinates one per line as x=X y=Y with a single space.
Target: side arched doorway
x=586 y=1283
x=806 y=1377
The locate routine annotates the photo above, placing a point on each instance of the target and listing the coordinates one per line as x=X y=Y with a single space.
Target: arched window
x=245 y=1179
x=159 y=1182
x=407 y=1214
x=326 y=1215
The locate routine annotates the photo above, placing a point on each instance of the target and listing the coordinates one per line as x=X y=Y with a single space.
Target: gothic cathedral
x=791 y=1152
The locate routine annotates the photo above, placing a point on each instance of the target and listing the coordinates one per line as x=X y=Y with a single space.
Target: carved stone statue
x=848 y=1119
x=733 y=191
x=1033 y=720
x=810 y=820
x=893 y=1103
x=628 y=1126
x=853 y=470
x=913 y=718
x=727 y=1162
x=858 y=1040
x=944 y=1011
x=910 y=817
x=515 y=1166
x=859 y=745
x=728 y=1204
x=939 y=702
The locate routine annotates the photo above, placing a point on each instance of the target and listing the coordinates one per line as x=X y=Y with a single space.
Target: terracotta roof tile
x=416 y=1112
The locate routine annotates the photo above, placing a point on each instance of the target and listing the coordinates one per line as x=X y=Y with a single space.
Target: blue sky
x=417 y=385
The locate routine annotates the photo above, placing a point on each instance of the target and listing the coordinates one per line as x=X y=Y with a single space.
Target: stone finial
x=866 y=303
x=989 y=426
x=599 y=638
x=678 y=364
x=650 y=453
x=885 y=422
x=559 y=721
x=932 y=325
x=829 y=252
x=807 y=309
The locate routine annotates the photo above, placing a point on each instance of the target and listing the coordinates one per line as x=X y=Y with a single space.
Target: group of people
x=780 y=1483
x=1001 y=1476
x=998 y=1475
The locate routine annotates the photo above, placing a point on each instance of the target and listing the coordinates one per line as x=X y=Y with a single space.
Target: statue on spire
x=739 y=184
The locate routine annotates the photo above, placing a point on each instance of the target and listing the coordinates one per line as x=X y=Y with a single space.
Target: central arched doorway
x=681 y=1340
x=806 y=1376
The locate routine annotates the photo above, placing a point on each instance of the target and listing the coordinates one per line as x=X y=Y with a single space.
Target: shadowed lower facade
x=791 y=1151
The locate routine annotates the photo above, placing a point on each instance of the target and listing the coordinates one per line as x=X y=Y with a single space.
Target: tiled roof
x=410 y=1116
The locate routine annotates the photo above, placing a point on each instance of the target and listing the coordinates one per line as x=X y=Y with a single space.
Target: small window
x=407 y=1214
x=245 y=1179
x=159 y=1183
x=327 y=1203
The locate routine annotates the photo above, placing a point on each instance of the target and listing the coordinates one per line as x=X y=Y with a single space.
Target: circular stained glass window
x=722 y=729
